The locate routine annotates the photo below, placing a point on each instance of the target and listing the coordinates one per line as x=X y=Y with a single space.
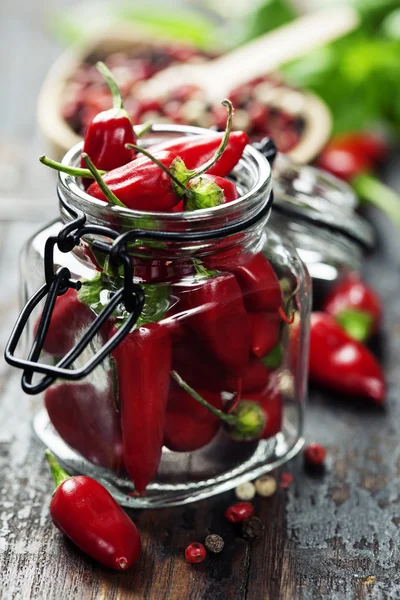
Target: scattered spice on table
x=314 y=455
x=266 y=486
x=285 y=480
x=239 y=512
x=195 y=553
x=245 y=491
x=252 y=528
x=214 y=543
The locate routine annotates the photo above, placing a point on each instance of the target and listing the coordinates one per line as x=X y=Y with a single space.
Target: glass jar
x=226 y=312
x=318 y=212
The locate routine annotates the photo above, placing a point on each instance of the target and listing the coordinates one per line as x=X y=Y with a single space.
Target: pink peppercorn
x=195 y=552
x=286 y=480
x=314 y=454
x=239 y=512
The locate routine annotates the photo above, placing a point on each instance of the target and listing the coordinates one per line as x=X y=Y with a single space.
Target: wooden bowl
x=60 y=136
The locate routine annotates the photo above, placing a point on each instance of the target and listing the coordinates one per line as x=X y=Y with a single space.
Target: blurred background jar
x=318 y=212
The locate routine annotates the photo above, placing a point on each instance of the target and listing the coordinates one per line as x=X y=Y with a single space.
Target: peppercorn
x=195 y=552
x=286 y=480
x=245 y=491
x=214 y=543
x=252 y=528
x=266 y=486
x=314 y=455
x=239 y=512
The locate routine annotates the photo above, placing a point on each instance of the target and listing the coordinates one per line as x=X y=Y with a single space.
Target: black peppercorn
x=214 y=543
x=252 y=528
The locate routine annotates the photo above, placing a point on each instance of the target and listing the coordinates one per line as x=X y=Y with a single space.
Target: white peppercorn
x=245 y=491
x=266 y=486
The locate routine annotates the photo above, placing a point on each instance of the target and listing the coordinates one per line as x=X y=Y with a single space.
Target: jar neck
x=236 y=224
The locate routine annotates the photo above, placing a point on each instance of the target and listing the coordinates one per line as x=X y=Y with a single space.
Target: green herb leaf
x=90 y=291
x=96 y=294
x=268 y=15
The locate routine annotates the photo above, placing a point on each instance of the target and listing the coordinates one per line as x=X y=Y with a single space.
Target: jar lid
x=309 y=194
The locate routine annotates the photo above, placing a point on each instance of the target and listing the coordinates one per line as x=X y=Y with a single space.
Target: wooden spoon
x=265 y=54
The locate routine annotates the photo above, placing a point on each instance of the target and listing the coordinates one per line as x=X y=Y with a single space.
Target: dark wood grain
x=331 y=536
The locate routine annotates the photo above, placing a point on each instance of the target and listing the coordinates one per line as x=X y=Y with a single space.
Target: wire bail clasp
x=58 y=283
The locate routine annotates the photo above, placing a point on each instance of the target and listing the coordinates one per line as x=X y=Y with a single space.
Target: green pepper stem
x=374 y=192
x=112 y=84
x=59 y=475
x=215 y=411
x=190 y=174
x=74 y=171
x=142 y=129
x=357 y=323
x=110 y=196
x=221 y=148
x=159 y=164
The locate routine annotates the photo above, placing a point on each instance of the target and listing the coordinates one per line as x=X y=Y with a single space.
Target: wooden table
x=332 y=537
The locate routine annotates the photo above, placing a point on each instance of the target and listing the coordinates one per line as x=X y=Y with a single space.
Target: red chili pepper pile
x=202 y=360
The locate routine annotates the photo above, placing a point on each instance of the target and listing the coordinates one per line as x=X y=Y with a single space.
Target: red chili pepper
x=244 y=422
x=197 y=365
x=259 y=284
x=355 y=306
x=179 y=207
x=254 y=379
x=342 y=364
x=265 y=329
x=141 y=185
x=352 y=157
x=188 y=425
x=270 y=400
x=85 y=416
x=144 y=364
x=109 y=131
x=343 y=163
x=351 y=154
x=216 y=313
x=255 y=275
x=87 y=513
x=70 y=316
x=196 y=150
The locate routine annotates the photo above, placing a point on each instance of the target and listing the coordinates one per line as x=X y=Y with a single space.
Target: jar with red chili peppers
x=207 y=389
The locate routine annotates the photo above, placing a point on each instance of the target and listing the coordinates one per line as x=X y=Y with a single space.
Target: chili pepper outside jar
x=227 y=312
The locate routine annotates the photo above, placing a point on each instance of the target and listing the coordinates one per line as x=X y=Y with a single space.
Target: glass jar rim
x=247 y=205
